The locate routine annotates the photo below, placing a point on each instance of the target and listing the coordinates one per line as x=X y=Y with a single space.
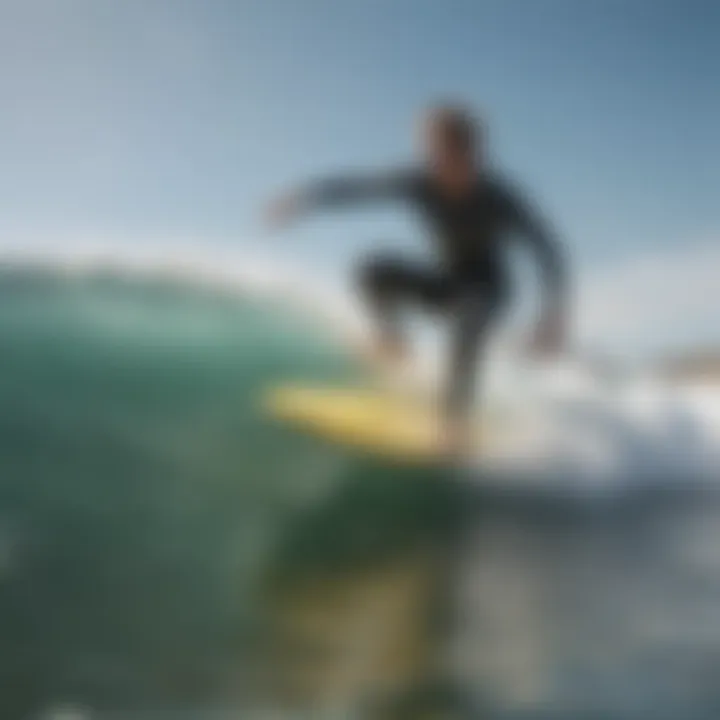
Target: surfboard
x=385 y=423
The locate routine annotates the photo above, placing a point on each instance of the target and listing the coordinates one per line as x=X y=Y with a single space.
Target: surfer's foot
x=386 y=353
x=454 y=438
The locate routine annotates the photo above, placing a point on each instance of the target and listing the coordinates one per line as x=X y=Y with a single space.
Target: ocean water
x=166 y=551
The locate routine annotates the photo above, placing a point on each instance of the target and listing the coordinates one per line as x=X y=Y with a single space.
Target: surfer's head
x=452 y=142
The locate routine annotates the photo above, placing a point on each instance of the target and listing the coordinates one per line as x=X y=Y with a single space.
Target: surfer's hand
x=282 y=211
x=549 y=337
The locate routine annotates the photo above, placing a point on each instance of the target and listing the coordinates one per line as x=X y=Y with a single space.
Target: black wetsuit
x=469 y=277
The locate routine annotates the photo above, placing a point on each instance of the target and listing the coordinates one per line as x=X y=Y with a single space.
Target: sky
x=177 y=119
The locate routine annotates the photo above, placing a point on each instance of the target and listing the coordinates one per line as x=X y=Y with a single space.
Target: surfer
x=471 y=211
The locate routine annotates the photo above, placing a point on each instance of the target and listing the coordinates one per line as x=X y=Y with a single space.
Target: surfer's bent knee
x=377 y=275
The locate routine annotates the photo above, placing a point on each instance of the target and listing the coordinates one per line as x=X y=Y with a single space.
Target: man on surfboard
x=471 y=212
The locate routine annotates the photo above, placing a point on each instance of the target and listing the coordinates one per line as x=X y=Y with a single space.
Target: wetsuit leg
x=474 y=313
x=388 y=283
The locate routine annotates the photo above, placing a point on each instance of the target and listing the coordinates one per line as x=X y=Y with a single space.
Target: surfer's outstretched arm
x=341 y=191
x=538 y=237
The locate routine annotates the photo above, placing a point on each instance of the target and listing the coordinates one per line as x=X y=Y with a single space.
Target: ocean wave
x=566 y=424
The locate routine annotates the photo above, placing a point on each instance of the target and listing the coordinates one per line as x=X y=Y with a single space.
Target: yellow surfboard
x=384 y=423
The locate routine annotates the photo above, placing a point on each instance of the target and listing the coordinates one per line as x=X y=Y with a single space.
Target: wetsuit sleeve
x=342 y=191
x=532 y=229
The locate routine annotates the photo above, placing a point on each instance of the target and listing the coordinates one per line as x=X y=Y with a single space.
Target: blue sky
x=177 y=118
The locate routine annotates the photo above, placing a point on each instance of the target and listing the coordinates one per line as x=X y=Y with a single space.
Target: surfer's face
x=452 y=163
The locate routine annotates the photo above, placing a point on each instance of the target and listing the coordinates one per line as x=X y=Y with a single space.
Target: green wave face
x=142 y=494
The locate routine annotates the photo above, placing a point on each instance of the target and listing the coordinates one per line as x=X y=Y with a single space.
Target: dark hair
x=457 y=124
